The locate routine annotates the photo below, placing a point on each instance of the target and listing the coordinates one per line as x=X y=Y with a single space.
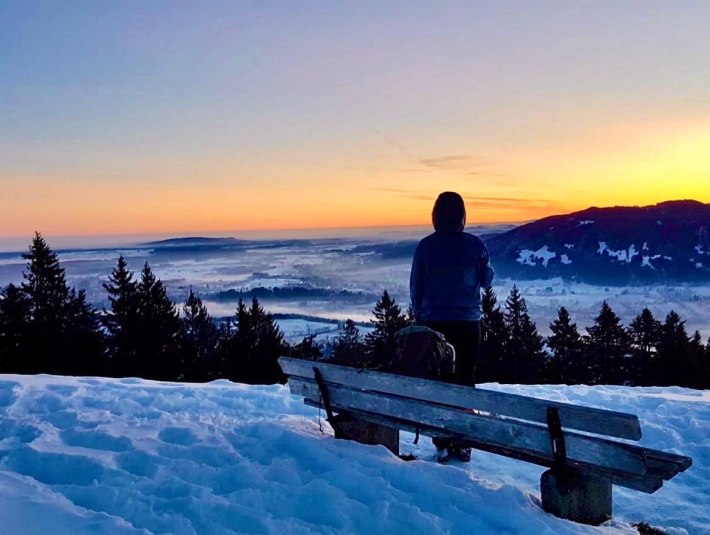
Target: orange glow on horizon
x=632 y=165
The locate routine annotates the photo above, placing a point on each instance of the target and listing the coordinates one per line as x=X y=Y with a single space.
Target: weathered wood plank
x=587 y=419
x=495 y=431
x=666 y=465
x=644 y=483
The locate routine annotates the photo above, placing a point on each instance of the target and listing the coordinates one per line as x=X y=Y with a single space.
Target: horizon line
x=234 y=233
x=14 y=243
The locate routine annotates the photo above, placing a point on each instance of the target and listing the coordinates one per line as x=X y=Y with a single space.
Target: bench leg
x=580 y=497
x=352 y=428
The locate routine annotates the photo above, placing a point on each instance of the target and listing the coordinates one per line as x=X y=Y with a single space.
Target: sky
x=214 y=116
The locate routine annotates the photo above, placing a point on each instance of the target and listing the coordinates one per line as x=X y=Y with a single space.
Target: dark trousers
x=465 y=336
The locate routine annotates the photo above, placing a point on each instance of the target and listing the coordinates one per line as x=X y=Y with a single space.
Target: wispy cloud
x=516 y=203
x=464 y=163
x=402 y=149
x=453 y=162
x=477 y=201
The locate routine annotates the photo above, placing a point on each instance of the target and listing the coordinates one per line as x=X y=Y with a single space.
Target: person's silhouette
x=449 y=269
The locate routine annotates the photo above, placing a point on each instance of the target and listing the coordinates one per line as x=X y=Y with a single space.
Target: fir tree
x=674 y=364
x=44 y=283
x=409 y=317
x=696 y=375
x=47 y=294
x=62 y=329
x=567 y=347
x=524 y=359
x=86 y=344
x=380 y=343
x=494 y=335
x=254 y=349
x=645 y=334
x=705 y=366
x=159 y=329
x=645 y=331
x=233 y=346
x=14 y=318
x=121 y=320
x=607 y=346
x=348 y=348
x=199 y=339
x=307 y=349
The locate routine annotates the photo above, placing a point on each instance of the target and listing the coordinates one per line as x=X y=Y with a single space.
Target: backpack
x=423 y=352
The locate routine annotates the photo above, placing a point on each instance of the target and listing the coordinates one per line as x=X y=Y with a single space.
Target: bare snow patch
x=622 y=255
x=528 y=257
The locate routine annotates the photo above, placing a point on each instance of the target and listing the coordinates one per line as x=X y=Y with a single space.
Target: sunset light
x=181 y=119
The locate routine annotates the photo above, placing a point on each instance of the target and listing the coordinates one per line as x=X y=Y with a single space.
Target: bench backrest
x=574 y=417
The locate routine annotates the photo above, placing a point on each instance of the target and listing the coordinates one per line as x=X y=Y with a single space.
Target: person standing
x=449 y=269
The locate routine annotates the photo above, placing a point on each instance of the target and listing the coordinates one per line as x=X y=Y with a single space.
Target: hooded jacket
x=449 y=267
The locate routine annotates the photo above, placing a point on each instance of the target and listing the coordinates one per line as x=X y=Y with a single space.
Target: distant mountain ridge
x=665 y=242
x=668 y=241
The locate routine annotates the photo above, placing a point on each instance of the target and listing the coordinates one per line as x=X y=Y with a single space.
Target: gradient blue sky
x=152 y=116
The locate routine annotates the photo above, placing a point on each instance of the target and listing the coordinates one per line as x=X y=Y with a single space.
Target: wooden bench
x=572 y=441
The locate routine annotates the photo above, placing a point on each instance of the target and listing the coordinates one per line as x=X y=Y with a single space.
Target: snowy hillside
x=85 y=455
x=620 y=245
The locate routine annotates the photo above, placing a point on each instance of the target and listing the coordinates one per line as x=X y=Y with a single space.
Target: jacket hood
x=449 y=212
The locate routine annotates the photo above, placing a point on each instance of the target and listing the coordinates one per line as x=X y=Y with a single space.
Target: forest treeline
x=48 y=327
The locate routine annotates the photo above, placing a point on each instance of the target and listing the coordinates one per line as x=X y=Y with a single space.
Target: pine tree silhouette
x=380 y=344
x=14 y=318
x=122 y=321
x=705 y=366
x=85 y=343
x=607 y=346
x=567 y=347
x=159 y=329
x=494 y=336
x=524 y=360
x=199 y=340
x=348 y=348
x=47 y=294
x=253 y=350
x=695 y=375
x=62 y=334
x=307 y=349
x=674 y=363
x=645 y=334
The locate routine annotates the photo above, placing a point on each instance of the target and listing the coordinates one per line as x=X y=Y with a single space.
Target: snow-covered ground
x=91 y=455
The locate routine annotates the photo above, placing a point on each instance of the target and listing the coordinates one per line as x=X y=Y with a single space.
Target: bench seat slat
x=666 y=465
x=591 y=450
x=587 y=419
